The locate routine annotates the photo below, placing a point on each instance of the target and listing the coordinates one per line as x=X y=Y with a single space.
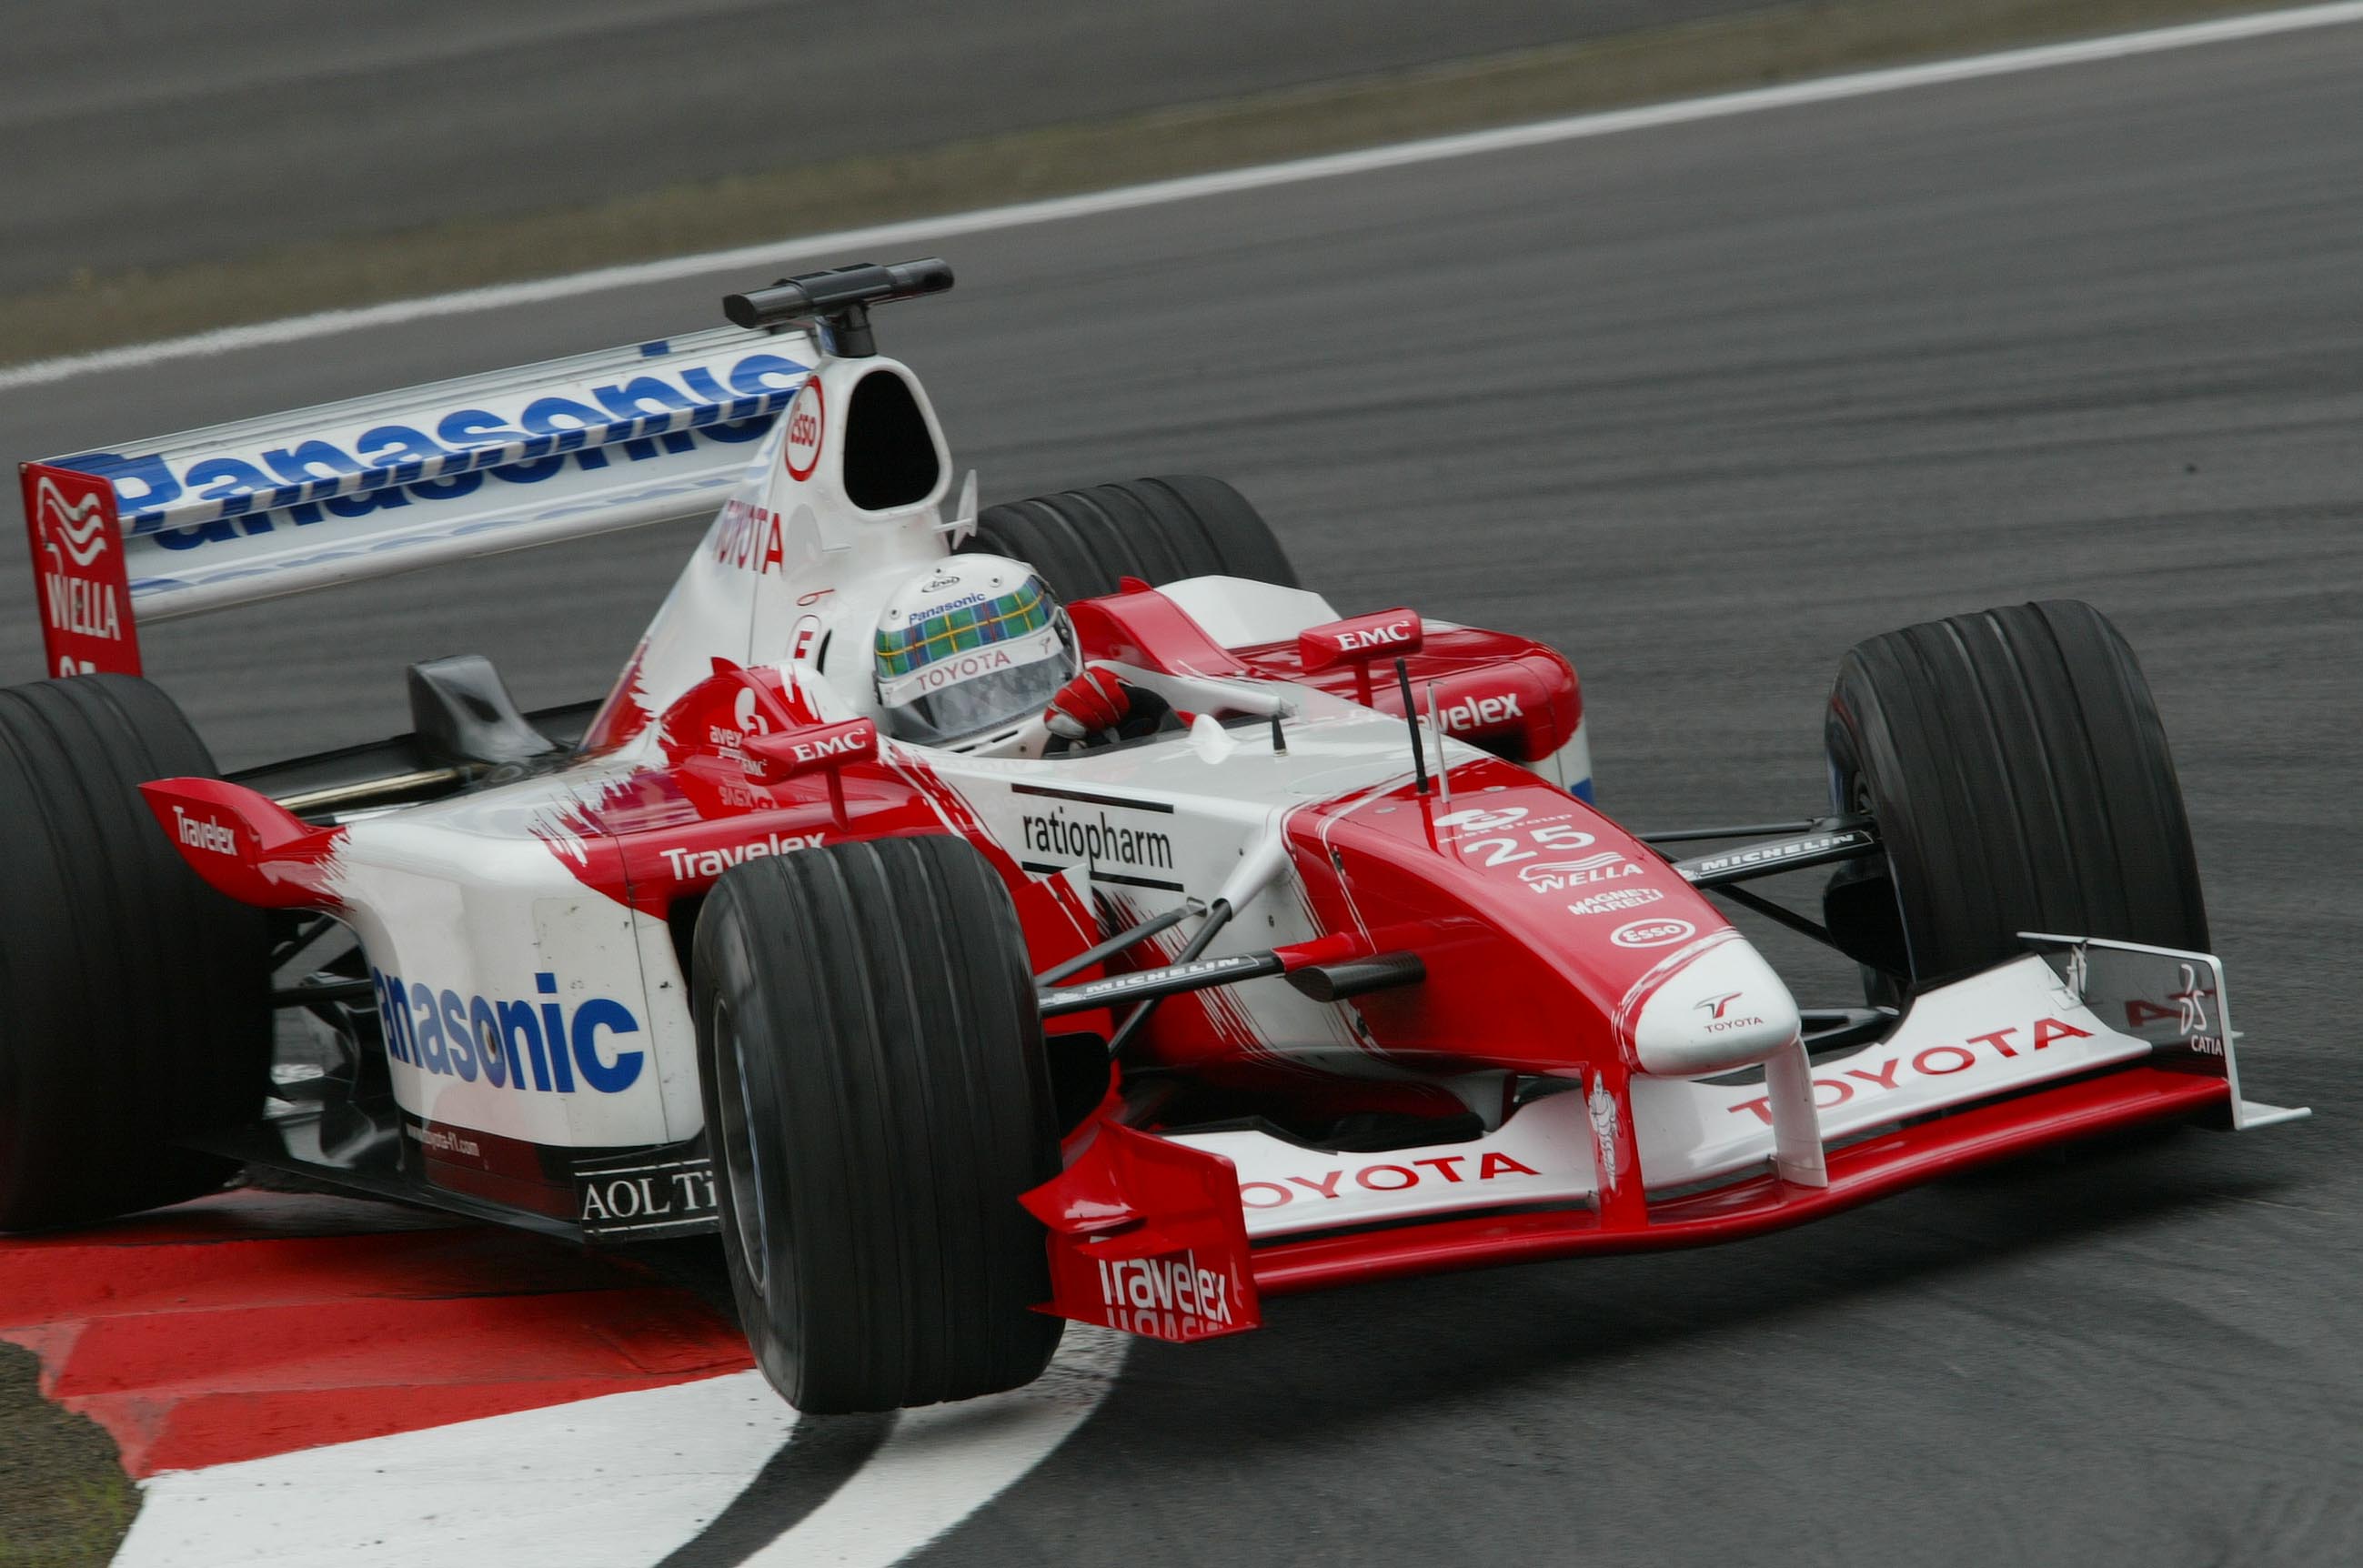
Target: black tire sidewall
x=898 y=1267
x=1161 y=529
x=134 y=999
x=2019 y=774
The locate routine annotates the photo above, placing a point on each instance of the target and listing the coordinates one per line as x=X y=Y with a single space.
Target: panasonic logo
x=504 y=1042
x=663 y=410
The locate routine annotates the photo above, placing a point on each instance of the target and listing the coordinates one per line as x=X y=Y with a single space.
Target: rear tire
x=876 y=1099
x=1082 y=542
x=2020 y=777
x=134 y=999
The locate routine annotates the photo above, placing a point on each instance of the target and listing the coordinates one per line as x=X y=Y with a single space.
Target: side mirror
x=1385 y=634
x=815 y=748
x=824 y=748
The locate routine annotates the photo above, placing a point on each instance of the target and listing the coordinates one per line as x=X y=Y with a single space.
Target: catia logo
x=1376 y=637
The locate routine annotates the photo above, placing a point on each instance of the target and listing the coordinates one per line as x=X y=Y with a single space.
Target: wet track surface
x=1703 y=404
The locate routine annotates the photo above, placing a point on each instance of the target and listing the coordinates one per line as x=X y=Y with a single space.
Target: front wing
x=2076 y=1038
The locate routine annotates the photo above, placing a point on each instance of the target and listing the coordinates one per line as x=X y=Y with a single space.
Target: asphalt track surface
x=1703 y=404
x=142 y=135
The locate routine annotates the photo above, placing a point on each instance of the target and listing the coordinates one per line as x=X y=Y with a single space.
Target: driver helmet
x=970 y=647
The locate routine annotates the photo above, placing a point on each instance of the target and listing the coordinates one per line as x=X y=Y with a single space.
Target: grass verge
x=64 y=1501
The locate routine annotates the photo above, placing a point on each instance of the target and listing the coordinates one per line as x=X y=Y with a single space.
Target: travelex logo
x=448 y=457
x=506 y=1042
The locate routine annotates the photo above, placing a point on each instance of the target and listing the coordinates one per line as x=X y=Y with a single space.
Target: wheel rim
x=742 y=1168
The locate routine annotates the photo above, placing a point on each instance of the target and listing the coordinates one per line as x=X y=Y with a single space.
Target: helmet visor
x=968 y=693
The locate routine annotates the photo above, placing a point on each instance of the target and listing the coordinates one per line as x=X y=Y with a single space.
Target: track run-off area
x=1703 y=402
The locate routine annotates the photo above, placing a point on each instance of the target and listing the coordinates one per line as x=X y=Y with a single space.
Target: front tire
x=2014 y=762
x=134 y=999
x=876 y=1100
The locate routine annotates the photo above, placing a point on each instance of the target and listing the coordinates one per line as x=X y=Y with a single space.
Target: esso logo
x=1652 y=933
x=807 y=422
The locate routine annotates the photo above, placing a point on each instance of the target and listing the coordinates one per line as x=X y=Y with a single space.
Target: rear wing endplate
x=623 y=439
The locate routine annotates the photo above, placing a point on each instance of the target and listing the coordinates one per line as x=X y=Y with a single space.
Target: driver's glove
x=1093 y=702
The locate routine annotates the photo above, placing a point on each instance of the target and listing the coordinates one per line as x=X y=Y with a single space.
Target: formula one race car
x=953 y=1020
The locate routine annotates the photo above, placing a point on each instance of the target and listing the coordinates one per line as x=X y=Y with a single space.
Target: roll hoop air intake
x=840 y=298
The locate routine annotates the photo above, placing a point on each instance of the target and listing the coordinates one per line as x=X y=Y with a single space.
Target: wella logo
x=79 y=526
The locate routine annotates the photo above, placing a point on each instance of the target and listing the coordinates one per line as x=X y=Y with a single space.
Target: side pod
x=244 y=844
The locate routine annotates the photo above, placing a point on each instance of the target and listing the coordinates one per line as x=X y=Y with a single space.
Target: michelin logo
x=448 y=456
x=505 y=1042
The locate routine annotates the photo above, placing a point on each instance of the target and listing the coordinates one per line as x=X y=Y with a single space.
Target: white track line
x=1824 y=90
x=943 y=1464
x=623 y=1479
x=618 y=1480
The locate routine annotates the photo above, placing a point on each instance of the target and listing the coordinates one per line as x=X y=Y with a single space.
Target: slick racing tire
x=876 y=1100
x=1159 y=530
x=2014 y=763
x=134 y=999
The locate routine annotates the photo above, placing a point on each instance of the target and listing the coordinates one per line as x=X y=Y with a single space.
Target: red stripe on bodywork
x=253 y=1324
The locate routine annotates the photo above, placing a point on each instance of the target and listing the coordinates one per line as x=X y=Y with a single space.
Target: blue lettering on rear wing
x=592 y=444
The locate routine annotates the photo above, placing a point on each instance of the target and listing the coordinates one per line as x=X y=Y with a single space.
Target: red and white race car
x=1335 y=975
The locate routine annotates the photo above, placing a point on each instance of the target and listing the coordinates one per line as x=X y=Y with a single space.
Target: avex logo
x=1481 y=713
x=503 y=1042
x=448 y=457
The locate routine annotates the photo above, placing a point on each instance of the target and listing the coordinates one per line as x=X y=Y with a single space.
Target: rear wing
x=622 y=439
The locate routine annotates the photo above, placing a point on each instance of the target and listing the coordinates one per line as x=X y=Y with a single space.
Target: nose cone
x=1724 y=1009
